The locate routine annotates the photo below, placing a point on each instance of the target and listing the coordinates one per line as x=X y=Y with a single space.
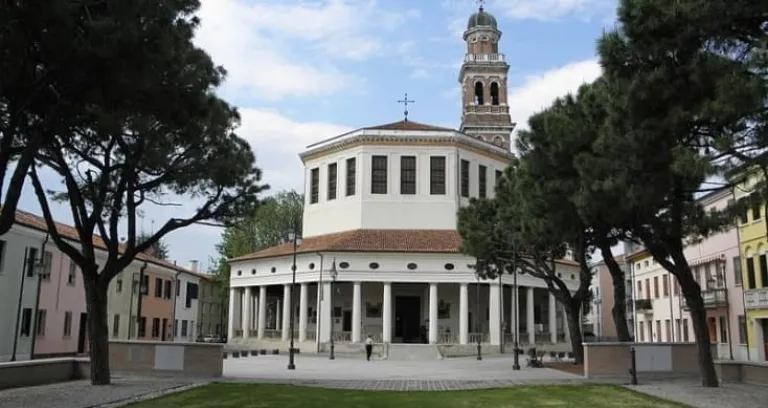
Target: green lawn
x=230 y=395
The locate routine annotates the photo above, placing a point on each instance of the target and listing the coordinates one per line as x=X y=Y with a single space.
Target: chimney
x=194 y=266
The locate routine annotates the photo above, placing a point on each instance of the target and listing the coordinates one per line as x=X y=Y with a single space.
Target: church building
x=379 y=253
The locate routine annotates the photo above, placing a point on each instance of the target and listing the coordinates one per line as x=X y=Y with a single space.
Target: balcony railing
x=487 y=109
x=484 y=58
x=756 y=298
x=643 y=305
x=713 y=298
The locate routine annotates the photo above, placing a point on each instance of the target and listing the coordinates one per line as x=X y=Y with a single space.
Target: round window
x=449 y=266
x=253 y=271
x=344 y=265
x=373 y=265
x=412 y=266
x=239 y=273
x=273 y=270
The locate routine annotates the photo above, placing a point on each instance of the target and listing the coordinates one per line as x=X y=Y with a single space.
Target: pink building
x=660 y=309
x=61 y=314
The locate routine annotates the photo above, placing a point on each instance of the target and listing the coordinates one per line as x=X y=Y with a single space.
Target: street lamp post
x=477 y=317
x=334 y=275
x=296 y=242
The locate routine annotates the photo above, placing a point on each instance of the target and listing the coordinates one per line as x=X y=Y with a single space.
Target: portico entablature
x=375 y=267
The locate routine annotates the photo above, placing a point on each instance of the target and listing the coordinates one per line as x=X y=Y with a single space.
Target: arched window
x=479 y=93
x=494 y=93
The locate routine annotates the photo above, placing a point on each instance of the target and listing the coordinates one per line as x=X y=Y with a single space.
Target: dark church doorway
x=408 y=318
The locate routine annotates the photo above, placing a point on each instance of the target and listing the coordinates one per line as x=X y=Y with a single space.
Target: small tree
x=267 y=226
x=497 y=234
x=159 y=250
x=131 y=158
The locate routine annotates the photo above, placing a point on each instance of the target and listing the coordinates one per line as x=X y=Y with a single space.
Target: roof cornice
x=408 y=137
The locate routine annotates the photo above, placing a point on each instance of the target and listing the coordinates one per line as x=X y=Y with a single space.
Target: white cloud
x=552 y=9
x=277 y=141
x=272 y=51
x=540 y=90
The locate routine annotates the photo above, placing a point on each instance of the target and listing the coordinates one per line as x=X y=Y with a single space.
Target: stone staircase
x=401 y=352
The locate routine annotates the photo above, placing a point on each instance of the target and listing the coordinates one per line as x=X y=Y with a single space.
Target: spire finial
x=481 y=3
x=405 y=102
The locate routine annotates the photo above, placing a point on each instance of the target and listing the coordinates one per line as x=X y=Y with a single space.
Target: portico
x=400 y=298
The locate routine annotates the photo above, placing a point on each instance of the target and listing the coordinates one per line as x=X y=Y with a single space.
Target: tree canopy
x=167 y=138
x=64 y=63
x=268 y=225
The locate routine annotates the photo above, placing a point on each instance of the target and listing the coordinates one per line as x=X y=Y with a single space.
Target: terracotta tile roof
x=408 y=125
x=69 y=232
x=369 y=240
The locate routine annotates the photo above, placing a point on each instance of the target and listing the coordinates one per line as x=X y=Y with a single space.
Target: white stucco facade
x=661 y=314
x=393 y=210
x=185 y=312
x=18 y=291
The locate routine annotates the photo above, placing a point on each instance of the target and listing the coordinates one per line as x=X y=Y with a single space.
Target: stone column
x=463 y=314
x=255 y=309
x=530 y=318
x=325 y=313
x=552 y=319
x=246 y=312
x=286 y=311
x=231 y=316
x=494 y=313
x=303 y=312
x=262 y=311
x=357 y=317
x=386 y=316
x=433 y=297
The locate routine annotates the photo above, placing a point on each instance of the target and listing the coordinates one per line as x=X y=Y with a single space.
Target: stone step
x=402 y=352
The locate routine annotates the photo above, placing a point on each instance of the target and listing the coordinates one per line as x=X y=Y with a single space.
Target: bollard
x=633 y=368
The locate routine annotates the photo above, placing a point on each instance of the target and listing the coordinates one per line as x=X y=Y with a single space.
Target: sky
x=301 y=71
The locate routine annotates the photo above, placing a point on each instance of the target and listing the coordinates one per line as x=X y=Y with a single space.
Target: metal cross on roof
x=405 y=102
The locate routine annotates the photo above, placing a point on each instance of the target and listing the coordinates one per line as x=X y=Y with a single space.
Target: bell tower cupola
x=483 y=79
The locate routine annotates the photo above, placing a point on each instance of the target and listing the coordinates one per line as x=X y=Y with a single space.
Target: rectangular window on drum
x=332 y=179
x=437 y=175
x=379 y=175
x=351 y=176
x=482 y=181
x=314 y=186
x=408 y=175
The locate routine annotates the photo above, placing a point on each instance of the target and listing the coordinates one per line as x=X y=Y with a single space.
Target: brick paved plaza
x=355 y=373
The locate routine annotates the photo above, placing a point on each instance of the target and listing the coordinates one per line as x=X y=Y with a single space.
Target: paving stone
x=81 y=394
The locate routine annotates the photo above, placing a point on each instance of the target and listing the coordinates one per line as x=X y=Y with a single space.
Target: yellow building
x=753 y=246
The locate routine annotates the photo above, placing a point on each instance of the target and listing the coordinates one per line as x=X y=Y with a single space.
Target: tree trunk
x=619 y=310
x=98 y=331
x=572 y=309
x=692 y=292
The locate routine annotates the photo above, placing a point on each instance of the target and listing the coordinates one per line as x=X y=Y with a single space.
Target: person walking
x=368 y=347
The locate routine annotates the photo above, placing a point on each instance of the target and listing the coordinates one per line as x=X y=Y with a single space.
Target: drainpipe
x=319 y=305
x=37 y=296
x=175 y=300
x=743 y=300
x=138 y=301
x=18 y=305
x=727 y=306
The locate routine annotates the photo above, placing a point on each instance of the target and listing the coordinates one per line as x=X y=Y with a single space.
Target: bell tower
x=483 y=79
